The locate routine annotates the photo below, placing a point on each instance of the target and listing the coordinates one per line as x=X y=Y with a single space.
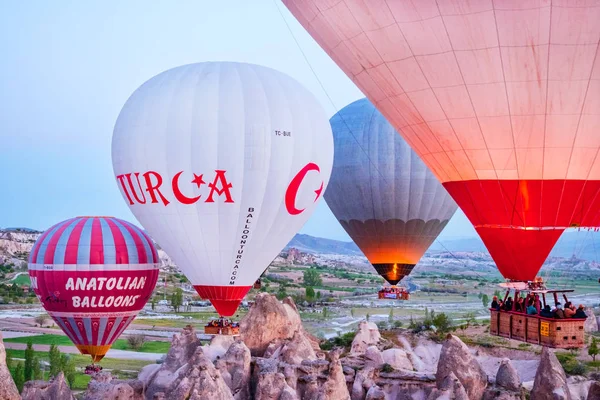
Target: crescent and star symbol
x=292 y=190
x=180 y=196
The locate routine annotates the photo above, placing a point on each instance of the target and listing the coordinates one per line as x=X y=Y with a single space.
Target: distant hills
x=582 y=244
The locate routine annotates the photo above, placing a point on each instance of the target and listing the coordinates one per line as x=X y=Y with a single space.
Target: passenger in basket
x=546 y=312
x=559 y=313
x=531 y=310
x=580 y=313
x=500 y=306
x=569 y=310
x=508 y=305
x=495 y=302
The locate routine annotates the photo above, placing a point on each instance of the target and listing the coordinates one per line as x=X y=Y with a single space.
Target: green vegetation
x=310 y=293
x=22 y=279
x=82 y=361
x=570 y=364
x=485 y=299
x=344 y=340
x=19 y=377
x=177 y=299
x=119 y=344
x=593 y=349
x=28 y=369
x=312 y=277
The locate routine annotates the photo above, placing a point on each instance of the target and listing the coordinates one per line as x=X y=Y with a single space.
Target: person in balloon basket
x=495 y=303
x=580 y=313
x=569 y=310
x=546 y=312
x=531 y=310
x=559 y=313
x=508 y=304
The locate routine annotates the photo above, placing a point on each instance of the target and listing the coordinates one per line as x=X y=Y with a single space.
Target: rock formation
x=594 y=393
x=450 y=388
x=158 y=378
x=398 y=359
x=270 y=320
x=103 y=386
x=198 y=380
x=8 y=389
x=456 y=358
x=367 y=335
x=591 y=323
x=54 y=389
x=507 y=376
x=550 y=380
x=235 y=370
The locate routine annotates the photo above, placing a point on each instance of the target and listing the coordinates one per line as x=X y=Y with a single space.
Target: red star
x=318 y=192
x=198 y=180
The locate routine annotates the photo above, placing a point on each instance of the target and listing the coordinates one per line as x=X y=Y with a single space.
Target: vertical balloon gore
x=225 y=299
x=393 y=272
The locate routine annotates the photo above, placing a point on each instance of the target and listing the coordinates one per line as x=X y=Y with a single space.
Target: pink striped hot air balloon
x=93 y=275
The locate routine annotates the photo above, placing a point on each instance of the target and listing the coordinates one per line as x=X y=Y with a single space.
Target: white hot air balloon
x=222 y=163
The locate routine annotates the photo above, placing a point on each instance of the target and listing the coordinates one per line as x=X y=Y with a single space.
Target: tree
x=312 y=277
x=29 y=354
x=67 y=366
x=177 y=299
x=37 y=370
x=281 y=291
x=319 y=294
x=368 y=316
x=136 y=342
x=18 y=377
x=352 y=312
x=593 y=349
x=41 y=319
x=8 y=360
x=310 y=293
x=485 y=299
x=325 y=312
x=54 y=359
x=153 y=303
x=391 y=316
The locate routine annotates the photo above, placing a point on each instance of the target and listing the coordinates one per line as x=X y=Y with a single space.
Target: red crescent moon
x=180 y=196
x=292 y=190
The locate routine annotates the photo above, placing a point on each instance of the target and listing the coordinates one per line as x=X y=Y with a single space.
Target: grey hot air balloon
x=384 y=196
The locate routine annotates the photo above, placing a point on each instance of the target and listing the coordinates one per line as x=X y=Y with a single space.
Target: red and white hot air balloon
x=93 y=275
x=222 y=163
x=500 y=98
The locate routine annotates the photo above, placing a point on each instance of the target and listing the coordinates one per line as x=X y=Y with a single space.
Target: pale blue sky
x=68 y=67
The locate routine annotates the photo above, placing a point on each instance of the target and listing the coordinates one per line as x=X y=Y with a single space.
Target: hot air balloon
x=501 y=100
x=386 y=199
x=222 y=163
x=93 y=275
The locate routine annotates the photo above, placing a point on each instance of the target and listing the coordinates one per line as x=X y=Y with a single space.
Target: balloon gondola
x=511 y=317
x=222 y=162
x=383 y=195
x=222 y=326
x=93 y=275
x=393 y=293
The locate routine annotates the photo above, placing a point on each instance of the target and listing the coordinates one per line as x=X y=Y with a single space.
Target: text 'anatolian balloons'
x=501 y=99
x=222 y=163
x=93 y=275
x=384 y=196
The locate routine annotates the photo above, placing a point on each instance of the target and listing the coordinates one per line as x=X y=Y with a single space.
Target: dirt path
x=112 y=353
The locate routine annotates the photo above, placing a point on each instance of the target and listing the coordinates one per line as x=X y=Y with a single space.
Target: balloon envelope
x=384 y=196
x=500 y=99
x=93 y=275
x=222 y=163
